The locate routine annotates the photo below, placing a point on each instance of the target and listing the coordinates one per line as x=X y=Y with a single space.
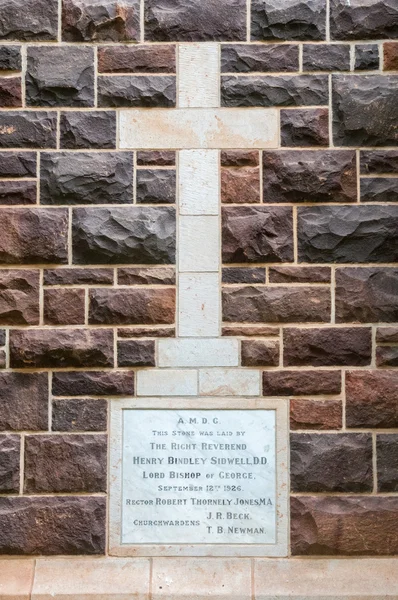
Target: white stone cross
x=198 y=129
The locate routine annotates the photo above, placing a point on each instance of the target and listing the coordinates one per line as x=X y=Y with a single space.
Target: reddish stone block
x=9 y=463
x=306 y=413
x=19 y=297
x=158 y=158
x=65 y=463
x=390 y=51
x=240 y=158
x=64 y=307
x=93 y=383
x=60 y=348
x=10 y=92
x=51 y=525
x=132 y=306
x=240 y=186
x=321 y=462
x=152 y=332
x=82 y=414
x=24 y=401
x=299 y=274
x=143 y=58
x=146 y=276
x=327 y=347
x=250 y=331
x=256 y=353
x=301 y=383
x=341 y=525
x=85 y=276
x=372 y=399
x=385 y=335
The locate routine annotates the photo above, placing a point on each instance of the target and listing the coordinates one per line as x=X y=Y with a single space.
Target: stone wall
x=309 y=248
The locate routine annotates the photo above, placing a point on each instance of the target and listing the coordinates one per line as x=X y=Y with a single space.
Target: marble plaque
x=198 y=477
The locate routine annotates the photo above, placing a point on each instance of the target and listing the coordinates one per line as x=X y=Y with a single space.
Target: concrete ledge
x=199 y=579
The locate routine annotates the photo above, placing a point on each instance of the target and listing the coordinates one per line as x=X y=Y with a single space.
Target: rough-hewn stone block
x=64 y=307
x=365 y=110
x=79 y=415
x=144 y=58
x=68 y=525
x=146 y=276
x=132 y=306
x=344 y=525
x=93 y=383
x=366 y=57
x=9 y=463
x=10 y=92
x=31 y=235
x=156 y=186
x=327 y=347
x=299 y=274
x=326 y=57
x=359 y=20
x=240 y=186
x=372 y=399
x=301 y=383
x=305 y=127
x=100 y=21
x=390 y=51
x=256 y=353
x=78 y=276
x=287 y=304
x=387 y=356
x=24 y=401
x=366 y=294
x=270 y=90
x=65 y=463
x=124 y=235
x=243 y=275
x=387 y=334
x=59 y=348
x=348 y=234
x=257 y=234
x=321 y=462
x=244 y=58
x=28 y=129
x=86 y=178
x=156 y=158
x=309 y=176
x=13 y=193
x=136 y=353
x=387 y=462
x=19 y=297
x=88 y=130
x=137 y=90
x=10 y=58
x=30 y=20
x=192 y=21
x=17 y=164
x=294 y=20
x=60 y=76
x=378 y=189
x=379 y=161
x=306 y=413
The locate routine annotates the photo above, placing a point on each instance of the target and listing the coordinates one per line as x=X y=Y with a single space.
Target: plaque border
x=116 y=548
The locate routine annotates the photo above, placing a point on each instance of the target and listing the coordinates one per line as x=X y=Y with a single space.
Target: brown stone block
x=299 y=274
x=132 y=306
x=305 y=127
x=85 y=276
x=93 y=383
x=385 y=335
x=390 y=51
x=257 y=234
x=9 y=463
x=146 y=276
x=64 y=307
x=10 y=92
x=252 y=304
x=327 y=347
x=136 y=353
x=158 y=158
x=301 y=383
x=387 y=462
x=143 y=58
x=66 y=525
x=243 y=275
x=306 y=413
x=240 y=158
x=256 y=353
x=240 y=186
x=152 y=332
x=60 y=348
x=24 y=401
x=366 y=525
x=366 y=295
x=250 y=331
x=372 y=399
x=65 y=463
x=82 y=414
x=32 y=235
x=321 y=462
x=19 y=297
